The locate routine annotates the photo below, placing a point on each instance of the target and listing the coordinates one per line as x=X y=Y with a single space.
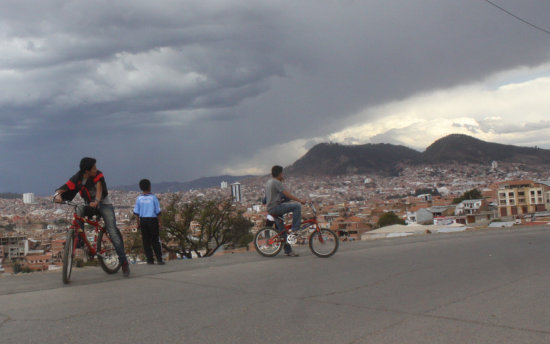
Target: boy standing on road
x=90 y=183
x=147 y=211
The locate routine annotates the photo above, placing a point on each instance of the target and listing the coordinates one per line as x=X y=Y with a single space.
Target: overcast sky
x=177 y=90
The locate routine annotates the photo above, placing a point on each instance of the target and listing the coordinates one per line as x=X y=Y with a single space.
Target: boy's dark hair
x=276 y=171
x=145 y=185
x=86 y=164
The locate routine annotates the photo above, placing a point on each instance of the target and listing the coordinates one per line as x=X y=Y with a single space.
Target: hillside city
x=33 y=229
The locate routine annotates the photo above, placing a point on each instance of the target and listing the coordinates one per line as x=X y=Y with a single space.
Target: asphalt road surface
x=489 y=286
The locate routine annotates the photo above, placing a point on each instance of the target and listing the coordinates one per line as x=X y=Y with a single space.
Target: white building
x=223 y=185
x=14 y=246
x=28 y=198
x=469 y=207
x=236 y=192
x=425 y=197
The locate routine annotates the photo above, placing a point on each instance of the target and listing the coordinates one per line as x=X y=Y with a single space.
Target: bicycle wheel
x=106 y=254
x=68 y=256
x=266 y=244
x=323 y=243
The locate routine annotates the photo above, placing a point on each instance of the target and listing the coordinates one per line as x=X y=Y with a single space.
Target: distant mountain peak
x=459 y=147
x=334 y=159
x=384 y=158
x=330 y=159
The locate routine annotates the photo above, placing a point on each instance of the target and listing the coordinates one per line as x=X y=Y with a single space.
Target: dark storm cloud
x=175 y=90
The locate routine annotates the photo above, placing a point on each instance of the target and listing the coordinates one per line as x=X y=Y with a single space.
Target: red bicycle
x=322 y=242
x=102 y=247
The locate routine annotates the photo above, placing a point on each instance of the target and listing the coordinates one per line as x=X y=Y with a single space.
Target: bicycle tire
x=68 y=256
x=106 y=254
x=263 y=247
x=327 y=246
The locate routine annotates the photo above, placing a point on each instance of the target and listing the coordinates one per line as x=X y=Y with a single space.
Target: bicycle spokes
x=323 y=243
x=268 y=242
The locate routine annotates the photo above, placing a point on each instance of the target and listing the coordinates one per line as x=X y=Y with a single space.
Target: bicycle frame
x=303 y=225
x=269 y=241
x=79 y=232
x=101 y=248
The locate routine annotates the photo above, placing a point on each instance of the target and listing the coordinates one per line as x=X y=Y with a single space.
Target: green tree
x=471 y=194
x=220 y=224
x=431 y=191
x=10 y=227
x=238 y=234
x=388 y=219
x=134 y=244
x=79 y=262
x=177 y=218
x=203 y=226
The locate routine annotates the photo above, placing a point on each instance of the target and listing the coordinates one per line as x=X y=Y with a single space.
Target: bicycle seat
x=272 y=218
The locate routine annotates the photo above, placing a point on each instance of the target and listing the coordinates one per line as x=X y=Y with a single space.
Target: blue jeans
x=284 y=208
x=108 y=213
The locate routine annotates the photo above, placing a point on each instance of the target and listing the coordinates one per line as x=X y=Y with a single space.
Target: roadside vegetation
x=203 y=226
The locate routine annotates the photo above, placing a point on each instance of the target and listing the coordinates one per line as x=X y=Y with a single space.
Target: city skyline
x=178 y=91
x=351 y=205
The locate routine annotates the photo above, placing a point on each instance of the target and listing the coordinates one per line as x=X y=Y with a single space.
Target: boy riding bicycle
x=275 y=193
x=90 y=183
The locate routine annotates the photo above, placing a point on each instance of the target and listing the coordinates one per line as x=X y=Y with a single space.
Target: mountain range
x=382 y=158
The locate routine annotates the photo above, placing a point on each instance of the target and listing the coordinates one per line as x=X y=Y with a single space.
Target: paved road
x=487 y=286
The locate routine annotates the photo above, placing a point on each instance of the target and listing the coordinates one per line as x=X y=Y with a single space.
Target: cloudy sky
x=176 y=90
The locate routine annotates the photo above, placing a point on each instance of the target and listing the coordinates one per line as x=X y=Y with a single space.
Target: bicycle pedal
x=292 y=239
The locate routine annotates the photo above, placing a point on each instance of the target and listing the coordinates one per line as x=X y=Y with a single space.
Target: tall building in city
x=236 y=192
x=28 y=198
x=521 y=197
x=224 y=185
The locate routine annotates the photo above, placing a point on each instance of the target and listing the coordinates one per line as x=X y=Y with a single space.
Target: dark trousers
x=280 y=210
x=107 y=211
x=280 y=226
x=150 y=235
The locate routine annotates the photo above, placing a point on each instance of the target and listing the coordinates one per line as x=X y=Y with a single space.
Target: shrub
x=79 y=262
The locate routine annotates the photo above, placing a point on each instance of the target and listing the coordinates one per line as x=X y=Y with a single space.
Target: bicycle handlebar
x=312 y=206
x=71 y=203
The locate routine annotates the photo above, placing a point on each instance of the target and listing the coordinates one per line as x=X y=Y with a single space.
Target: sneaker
x=161 y=263
x=150 y=262
x=126 y=269
x=292 y=254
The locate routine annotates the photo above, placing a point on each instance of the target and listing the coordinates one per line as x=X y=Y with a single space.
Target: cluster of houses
x=519 y=200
